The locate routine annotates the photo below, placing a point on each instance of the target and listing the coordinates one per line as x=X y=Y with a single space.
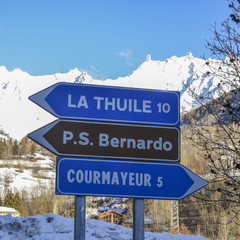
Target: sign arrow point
x=198 y=182
x=37 y=136
x=39 y=98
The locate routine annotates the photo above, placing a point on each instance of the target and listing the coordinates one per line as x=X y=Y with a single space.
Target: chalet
x=111 y=216
x=7 y=210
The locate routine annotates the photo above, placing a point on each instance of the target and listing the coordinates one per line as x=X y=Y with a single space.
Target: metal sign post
x=138 y=219
x=80 y=218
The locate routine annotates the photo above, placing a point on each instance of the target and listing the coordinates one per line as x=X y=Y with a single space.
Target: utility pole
x=174 y=217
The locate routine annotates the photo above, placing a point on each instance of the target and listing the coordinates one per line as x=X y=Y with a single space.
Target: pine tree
x=2 y=148
x=33 y=149
x=1 y=201
x=18 y=205
x=13 y=201
x=9 y=199
x=15 y=149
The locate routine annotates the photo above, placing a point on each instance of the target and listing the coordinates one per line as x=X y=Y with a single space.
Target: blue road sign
x=76 y=176
x=114 y=104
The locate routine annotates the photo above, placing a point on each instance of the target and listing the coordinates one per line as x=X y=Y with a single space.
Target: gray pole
x=138 y=219
x=80 y=218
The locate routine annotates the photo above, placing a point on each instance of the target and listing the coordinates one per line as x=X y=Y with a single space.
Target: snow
x=7 y=209
x=19 y=116
x=24 y=178
x=3 y=137
x=55 y=227
x=43 y=161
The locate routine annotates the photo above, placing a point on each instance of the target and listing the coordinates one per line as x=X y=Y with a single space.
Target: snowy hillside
x=20 y=174
x=54 y=227
x=19 y=116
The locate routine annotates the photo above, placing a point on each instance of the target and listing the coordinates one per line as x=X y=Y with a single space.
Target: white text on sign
x=112 y=178
x=105 y=141
x=118 y=104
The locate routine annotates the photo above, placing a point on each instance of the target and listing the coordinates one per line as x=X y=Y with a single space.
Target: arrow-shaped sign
x=110 y=140
x=76 y=176
x=112 y=104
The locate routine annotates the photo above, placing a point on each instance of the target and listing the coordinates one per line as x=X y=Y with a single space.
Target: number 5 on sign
x=160 y=182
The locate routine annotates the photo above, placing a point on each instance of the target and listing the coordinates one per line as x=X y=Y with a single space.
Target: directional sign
x=110 y=140
x=89 y=177
x=113 y=104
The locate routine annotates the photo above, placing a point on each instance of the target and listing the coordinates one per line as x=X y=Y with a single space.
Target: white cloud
x=94 y=72
x=128 y=55
x=95 y=69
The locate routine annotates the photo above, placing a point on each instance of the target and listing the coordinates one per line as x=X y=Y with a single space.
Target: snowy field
x=24 y=178
x=55 y=227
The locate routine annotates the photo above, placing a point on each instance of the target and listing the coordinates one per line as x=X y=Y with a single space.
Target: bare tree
x=218 y=138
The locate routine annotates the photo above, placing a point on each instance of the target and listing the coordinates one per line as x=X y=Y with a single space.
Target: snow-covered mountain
x=19 y=116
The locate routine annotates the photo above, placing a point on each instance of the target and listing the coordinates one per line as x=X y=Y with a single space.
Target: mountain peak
x=148 y=58
x=172 y=74
x=189 y=55
x=18 y=71
x=3 y=69
x=74 y=71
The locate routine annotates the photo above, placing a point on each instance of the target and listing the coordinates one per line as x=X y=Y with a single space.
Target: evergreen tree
x=2 y=148
x=9 y=199
x=33 y=149
x=1 y=201
x=18 y=205
x=15 y=149
x=13 y=201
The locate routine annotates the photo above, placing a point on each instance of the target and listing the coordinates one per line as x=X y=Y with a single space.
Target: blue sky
x=106 y=38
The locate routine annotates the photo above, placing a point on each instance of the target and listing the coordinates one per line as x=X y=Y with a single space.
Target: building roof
x=7 y=209
x=112 y=211
x=119 y=210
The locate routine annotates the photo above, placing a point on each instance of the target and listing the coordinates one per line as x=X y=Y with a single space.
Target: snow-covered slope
x=54 y=227
x=19 y=116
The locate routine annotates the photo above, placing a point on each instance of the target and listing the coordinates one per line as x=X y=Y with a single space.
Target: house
x=7 y=210
x=111 y=216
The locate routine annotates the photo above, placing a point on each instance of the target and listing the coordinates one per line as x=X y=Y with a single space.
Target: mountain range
x=19 y=116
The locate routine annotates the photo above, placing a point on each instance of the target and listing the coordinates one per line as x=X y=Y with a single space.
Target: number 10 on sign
x=165 y=107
